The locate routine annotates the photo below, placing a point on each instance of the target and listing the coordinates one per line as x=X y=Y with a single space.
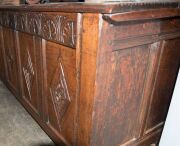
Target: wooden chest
x=93 y=74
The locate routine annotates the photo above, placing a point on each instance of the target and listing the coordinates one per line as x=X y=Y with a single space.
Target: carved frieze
x=59 y=93
x=54 y=27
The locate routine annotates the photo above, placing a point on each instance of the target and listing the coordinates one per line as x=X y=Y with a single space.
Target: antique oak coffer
x=93 y=74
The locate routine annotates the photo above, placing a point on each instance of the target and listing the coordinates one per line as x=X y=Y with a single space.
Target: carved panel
x=30 y=69
x=59 y=72
x=28 y=72
x=59 y=93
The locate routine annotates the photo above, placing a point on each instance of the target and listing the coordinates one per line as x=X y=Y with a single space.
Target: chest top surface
x=105 y=8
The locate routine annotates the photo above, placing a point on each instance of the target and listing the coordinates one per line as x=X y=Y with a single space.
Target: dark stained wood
x=150 y=31
x=2 y=59
x=130 y=67
x=60 y=88
x=10 y=56
x=163 y=85
x=93 y=74
x=88 y=62
x=105 y=8
x=30 y=47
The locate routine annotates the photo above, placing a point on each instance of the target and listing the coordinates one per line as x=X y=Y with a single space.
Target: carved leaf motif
x=50 y=26
x=59 y=28
x=5 y=19
x=28 y=72
x=59 y=93
x=52 y=30
x=45 y=26
x=12 y=20
x=67 y=33
x=34 y=23
x=21 y=22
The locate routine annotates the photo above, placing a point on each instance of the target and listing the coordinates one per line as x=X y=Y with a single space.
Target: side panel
x=163 y=85
x=135 y=76
x=117 y=120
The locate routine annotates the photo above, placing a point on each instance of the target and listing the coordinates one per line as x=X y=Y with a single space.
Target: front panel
x=11 y=60
x=60 y=89
x=29 y=50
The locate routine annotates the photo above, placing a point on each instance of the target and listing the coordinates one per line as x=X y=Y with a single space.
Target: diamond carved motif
x=28 y=72
x=59 y=93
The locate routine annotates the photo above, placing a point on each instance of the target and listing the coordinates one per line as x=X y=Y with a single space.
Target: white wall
x=171 y=132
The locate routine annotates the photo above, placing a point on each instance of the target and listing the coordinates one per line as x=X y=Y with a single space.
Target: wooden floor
x=17 y=127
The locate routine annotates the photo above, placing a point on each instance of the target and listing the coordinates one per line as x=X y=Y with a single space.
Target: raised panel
x=11 y=60
x=60 y=79
x=29 y=48
x=162 y=90
x=119 y=107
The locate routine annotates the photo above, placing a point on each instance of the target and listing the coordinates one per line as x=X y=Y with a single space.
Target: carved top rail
x=57 y=27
